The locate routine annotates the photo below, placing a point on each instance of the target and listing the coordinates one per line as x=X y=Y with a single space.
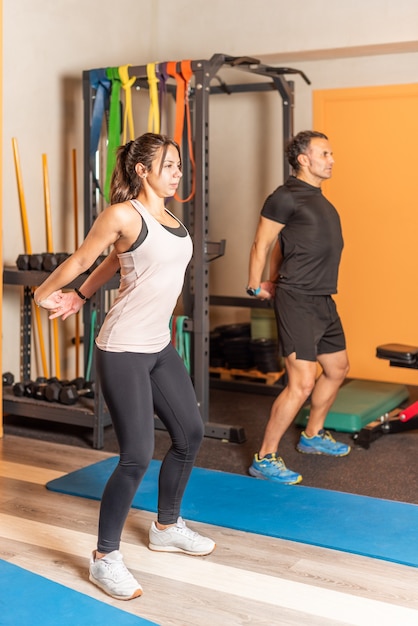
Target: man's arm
x=267 y=232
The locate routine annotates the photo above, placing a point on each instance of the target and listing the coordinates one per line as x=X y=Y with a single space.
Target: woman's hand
x=61 y=304
x=51 y=302
x=68 y=304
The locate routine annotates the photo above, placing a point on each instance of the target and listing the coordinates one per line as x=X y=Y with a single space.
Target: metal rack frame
x=196 y=292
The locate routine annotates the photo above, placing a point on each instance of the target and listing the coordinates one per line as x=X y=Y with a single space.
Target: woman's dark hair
x=125 y=183
x=299 y=145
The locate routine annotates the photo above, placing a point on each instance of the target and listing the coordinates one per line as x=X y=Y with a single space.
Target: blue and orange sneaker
x=272 y=467
x=322 y=443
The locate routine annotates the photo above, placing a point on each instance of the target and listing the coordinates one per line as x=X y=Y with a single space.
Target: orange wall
x=374 y=135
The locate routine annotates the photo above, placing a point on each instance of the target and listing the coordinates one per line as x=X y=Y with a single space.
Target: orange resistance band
x=183 y=79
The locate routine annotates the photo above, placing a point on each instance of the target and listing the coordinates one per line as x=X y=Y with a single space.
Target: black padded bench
x=401 y=419
x=399 y=355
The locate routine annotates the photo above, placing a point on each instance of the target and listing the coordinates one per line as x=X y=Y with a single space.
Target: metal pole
x=200 y=270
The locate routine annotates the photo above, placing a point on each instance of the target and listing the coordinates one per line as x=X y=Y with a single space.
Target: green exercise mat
x=358 y=403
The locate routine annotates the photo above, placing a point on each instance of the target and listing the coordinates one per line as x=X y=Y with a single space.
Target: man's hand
x=267 y=290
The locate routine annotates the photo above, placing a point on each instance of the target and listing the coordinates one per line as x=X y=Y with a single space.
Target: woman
x=139 y=369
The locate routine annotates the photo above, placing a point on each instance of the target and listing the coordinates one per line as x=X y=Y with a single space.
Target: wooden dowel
x=22 y=202
x=50 y=248
x=28 y=247
x=75 y=210
x=47 y=204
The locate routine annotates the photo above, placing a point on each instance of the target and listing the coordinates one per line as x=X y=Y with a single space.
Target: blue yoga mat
x=27 y=599
x=376 y=528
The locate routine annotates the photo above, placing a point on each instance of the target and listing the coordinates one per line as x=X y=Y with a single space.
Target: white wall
x=48 y=44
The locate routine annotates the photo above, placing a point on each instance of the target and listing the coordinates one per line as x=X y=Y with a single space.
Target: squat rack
x=196 y=298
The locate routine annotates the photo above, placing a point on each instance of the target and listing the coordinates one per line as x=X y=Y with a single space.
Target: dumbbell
x=36 y=261
x=53 y=390
x=8 y=379
x=19 y=388
x=51 y=260
x=40 y=387
x=34 y=389
x=22 y=262
x=79 y=382
x=54 y=387
x=70 y=394
x=28 y=387
x=45 y=261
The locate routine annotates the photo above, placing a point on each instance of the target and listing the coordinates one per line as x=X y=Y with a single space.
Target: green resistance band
x=181 y=339
x=93 y=321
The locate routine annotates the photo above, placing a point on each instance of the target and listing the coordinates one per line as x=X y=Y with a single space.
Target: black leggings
x=135 y=385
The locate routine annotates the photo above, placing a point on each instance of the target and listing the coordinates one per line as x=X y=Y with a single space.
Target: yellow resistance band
x=128 y=120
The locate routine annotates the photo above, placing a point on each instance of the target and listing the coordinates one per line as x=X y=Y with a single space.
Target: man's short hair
x=299 y=144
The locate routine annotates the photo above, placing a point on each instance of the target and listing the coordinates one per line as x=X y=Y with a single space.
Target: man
x=304 y=264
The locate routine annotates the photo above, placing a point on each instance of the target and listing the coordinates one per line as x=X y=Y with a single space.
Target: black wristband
x=80 y=295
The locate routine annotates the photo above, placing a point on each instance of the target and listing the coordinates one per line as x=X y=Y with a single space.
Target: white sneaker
x=179 y=538
x=111 y=574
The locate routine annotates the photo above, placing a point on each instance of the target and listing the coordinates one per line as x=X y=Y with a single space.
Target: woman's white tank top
x=152 y=278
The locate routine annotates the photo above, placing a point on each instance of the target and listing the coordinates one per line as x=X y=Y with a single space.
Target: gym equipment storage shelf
x=89 y=413
x=81 y=414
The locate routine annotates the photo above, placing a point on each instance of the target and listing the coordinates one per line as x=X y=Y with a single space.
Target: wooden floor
x=249 y=579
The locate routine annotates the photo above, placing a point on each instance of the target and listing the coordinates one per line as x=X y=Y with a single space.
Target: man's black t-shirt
x=311 y=241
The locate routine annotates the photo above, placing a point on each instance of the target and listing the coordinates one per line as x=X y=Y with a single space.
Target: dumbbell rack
x=91 y=413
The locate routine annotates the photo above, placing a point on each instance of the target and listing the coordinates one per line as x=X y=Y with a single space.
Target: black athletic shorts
x=307 y=325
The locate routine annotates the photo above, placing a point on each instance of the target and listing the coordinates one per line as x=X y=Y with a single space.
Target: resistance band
x=183 y=79
x=154 y=109
x=180 y=96
x=162 y=76
x=128 y=120
x=181 y=338
x=93 y=320
x=173 y=330
x=114 y=126
x=101 y=83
